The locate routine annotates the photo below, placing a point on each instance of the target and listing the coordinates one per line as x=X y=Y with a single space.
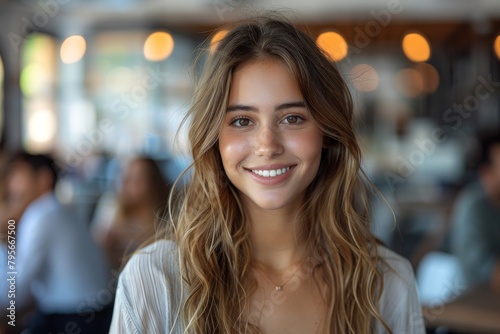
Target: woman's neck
x=274 y=238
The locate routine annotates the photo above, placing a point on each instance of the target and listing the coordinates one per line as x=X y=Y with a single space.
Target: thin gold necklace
x=279 y=287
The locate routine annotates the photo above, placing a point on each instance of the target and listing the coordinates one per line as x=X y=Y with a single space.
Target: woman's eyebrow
x=283 y=106
x=297 y=104
x=241 y=107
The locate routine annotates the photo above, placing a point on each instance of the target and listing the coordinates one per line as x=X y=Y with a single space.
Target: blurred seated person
x=58 y=266
x=122 y=225
x=8 y=211
x=476 y=220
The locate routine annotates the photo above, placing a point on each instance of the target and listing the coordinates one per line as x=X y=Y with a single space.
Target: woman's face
x=269 y=143
x=135 y=184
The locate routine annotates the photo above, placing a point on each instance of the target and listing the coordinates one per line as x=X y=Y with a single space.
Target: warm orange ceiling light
x=333 y=44
x=496 y=46
x=158 y=46
x=416 y=47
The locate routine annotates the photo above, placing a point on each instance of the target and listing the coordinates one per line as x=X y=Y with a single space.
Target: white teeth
x=270 y=173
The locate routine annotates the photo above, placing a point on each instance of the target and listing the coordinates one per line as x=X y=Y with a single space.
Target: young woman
x=271 y=235
x=143 y=192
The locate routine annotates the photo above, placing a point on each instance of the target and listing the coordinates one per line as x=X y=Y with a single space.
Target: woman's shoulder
x=149 y=291
x=393 y=260
x=399 y=303
x=397 y=270
x=156 y=261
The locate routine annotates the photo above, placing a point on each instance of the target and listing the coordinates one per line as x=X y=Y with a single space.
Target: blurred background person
x=476 y=219
x=5 y=212
x=59 y=267
x=11 y=207
x=124 y=223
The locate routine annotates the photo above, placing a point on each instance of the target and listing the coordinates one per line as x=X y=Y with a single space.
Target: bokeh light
x=496 y=46
x=158 y=46
x=416 y=47
x=409 y=82
x=216 y=39
x=429 y=75
x=31 y=79
x=41 y=126
x=73 y=49
x=333 y=44
x=364 y=77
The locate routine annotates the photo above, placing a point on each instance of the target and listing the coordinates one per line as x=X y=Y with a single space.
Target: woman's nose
x=268 y=142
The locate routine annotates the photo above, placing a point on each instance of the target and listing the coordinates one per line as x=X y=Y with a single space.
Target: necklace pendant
x=278 y=287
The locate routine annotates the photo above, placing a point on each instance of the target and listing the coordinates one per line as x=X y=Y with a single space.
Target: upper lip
x=270 y=167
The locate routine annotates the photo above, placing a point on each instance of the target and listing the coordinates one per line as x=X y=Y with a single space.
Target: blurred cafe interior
x=103 y=87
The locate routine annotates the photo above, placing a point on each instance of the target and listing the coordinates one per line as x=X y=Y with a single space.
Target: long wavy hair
x=211 y=229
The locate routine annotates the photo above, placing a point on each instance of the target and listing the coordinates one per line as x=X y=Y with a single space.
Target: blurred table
x=477 y=310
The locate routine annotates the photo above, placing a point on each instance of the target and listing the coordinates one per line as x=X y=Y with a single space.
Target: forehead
x=20 y=168
x=263 y=80
x=137 y=167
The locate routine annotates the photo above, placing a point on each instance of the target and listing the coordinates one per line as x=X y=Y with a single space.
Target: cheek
x=232 y=149
x=20 y=184
x=141 y=190
x=307 y=146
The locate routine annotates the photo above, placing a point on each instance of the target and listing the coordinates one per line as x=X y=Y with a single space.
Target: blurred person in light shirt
x=476 y=219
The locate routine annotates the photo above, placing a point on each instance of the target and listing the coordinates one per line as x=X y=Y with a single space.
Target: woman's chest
x=297 y=308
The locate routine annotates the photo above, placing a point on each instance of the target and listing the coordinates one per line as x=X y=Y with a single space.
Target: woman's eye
x=241 y=122
x=293 y=119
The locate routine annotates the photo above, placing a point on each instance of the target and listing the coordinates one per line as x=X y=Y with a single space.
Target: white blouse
x=149 y=294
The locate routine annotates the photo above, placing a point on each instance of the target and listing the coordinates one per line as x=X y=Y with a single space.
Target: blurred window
x=38 y=86
x=128 y=94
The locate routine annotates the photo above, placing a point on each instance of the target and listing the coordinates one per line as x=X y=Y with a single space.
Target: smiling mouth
x=271 y=172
